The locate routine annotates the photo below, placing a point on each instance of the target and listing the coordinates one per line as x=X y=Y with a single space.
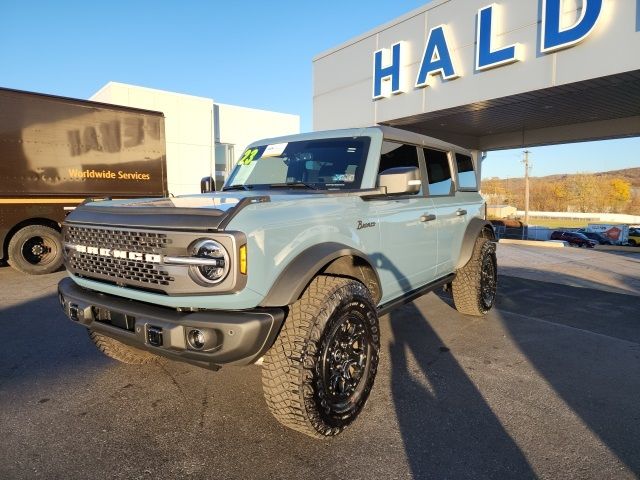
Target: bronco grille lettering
x=122 y=254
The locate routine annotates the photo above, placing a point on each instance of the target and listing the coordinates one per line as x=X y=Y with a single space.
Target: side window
x=438 y=171
x=466 y=175
x=398 y=155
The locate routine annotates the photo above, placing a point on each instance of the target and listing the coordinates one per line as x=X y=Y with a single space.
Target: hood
x=209 y=202
x=212 y=211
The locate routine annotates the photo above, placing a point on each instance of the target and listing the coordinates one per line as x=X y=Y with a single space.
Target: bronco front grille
x=147 y=242
x=118 y=270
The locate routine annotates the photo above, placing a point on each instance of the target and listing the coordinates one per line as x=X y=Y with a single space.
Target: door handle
x=427 y=217
x=461 y=212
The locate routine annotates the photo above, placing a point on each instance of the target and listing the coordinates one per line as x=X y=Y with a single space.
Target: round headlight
x=215 y=261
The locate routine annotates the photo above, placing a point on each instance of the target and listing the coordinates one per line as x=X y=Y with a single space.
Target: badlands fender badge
x=362 y=225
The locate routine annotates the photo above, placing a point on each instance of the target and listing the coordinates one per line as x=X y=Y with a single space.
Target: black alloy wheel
x=488 y=281
x=345 y=364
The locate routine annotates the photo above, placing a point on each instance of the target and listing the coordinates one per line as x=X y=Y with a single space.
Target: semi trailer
x=57 y=152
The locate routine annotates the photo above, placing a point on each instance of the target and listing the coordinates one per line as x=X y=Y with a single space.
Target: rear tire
x=119 y=351
x=36 y=250
x=318 y=374
x=474 y=288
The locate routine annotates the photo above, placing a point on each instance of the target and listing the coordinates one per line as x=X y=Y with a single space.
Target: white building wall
x=188 y=130
x=193 y=126
x=241 y=126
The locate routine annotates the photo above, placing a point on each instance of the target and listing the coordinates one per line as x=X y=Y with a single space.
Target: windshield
x=320 y=164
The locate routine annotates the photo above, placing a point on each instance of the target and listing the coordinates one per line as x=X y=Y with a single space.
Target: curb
x=617 y=248
x=534 y=243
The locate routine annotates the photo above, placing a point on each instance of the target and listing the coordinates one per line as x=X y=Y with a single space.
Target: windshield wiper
x=240 y=186
x=293 y=184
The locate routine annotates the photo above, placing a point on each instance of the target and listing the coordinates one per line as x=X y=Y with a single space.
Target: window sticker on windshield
x=344 y=177
x=274 y=150
x=248 y=156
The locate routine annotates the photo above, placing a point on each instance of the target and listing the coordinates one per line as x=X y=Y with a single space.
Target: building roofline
x=256 y=109
x=385 y=26
x=149 y=89
x=82 y=101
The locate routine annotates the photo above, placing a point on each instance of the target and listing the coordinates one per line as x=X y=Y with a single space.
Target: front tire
x=318 y=374
x=36 y=250
x=121 y=352
x=475 y=286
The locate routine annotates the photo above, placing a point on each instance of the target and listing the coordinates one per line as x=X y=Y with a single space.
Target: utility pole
x=525 y=162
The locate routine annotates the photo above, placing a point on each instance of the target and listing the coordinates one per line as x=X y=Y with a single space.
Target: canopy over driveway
x=505 y=75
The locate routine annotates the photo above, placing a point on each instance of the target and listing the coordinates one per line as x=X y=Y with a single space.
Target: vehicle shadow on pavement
x=584 y=277
x=594 y=365
x=448 y=429
x=39 y=330
x=567 y=301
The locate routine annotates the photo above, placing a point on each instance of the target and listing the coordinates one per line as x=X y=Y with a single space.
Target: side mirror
x=400 y=180
x=207 y=184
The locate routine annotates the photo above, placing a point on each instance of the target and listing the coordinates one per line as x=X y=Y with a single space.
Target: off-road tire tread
x=466 y=288
x=119 y=351
x=287 y=364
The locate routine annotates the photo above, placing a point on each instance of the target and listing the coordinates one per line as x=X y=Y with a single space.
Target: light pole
x=525 y=162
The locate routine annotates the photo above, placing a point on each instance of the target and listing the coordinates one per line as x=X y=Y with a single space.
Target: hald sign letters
x=437 y=58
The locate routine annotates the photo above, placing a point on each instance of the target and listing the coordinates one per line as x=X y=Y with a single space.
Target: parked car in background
x=634 y=237
x=598 y=237
x=574 y=239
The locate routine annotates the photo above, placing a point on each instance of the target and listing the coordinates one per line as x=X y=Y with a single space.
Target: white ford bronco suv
x=311 y=239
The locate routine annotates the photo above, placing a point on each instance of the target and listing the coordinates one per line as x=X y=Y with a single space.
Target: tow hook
x=73 y=312
x=154 y=336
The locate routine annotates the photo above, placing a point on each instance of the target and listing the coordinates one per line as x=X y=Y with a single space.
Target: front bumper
x=231 y=337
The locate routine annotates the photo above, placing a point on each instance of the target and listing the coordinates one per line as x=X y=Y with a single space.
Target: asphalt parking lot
x=547 y=386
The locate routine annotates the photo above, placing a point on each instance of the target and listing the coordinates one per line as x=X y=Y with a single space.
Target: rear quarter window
x=467 y=179
x=440 y=181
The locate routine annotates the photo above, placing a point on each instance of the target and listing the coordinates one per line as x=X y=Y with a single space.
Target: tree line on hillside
x=582 y=192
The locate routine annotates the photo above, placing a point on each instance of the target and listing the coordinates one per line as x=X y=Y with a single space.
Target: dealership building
x=203 y=137
x=511 y=74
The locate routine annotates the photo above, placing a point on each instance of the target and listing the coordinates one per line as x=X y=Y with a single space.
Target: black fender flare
x=297 y=275
x=477 y=227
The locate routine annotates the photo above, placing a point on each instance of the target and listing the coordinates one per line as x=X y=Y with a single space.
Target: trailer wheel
x=36 y=250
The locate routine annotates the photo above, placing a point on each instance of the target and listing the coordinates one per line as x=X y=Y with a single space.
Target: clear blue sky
x=254 y=53
x=582 y=157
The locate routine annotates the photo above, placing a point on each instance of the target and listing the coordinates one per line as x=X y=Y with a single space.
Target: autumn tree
x=633 y=207
x=583 y=192
x=620 y=193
